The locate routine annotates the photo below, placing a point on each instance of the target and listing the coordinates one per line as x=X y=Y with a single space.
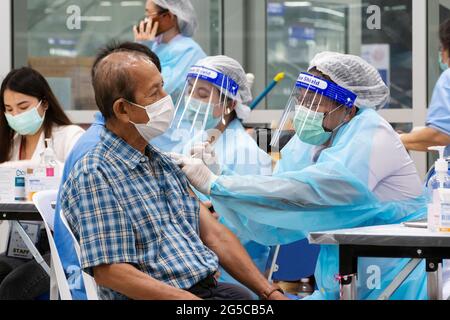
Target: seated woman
x=208 y=125
x=29 y=114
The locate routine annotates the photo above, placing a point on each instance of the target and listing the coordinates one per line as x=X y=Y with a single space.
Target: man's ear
x=120 y=110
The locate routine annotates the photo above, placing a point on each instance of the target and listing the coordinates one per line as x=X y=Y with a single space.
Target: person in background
x=87 y=142
x=168 y=31
x=29 y=114
x=437 y=131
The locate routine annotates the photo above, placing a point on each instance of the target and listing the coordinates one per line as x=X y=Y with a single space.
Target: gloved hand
x=198 y=174
x=204 y=151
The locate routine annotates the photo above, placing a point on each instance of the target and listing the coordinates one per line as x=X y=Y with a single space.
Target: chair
x=58 y=281
x=89 y=282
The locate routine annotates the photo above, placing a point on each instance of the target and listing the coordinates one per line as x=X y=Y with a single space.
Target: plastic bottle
x=305 y=289
x=49 y=159
x=439 y=195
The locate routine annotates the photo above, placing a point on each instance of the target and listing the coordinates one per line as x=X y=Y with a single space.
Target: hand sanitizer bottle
x=49 y=158
x=439 y=195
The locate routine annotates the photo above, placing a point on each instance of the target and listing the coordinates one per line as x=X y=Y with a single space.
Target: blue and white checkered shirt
x=124 y=207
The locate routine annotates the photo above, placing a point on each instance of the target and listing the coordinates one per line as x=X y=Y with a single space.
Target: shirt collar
x=99 y=119
x=123 y=151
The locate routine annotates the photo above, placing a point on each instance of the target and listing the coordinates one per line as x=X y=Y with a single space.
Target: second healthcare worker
x=345 y=168
x=437 y=131
x=209 y=116
x=168 y=31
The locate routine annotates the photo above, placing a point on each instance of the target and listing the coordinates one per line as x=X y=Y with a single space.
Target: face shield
x=205 y=100
x=313 y=102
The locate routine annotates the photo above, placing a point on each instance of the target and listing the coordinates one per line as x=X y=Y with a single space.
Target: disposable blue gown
x=330 y=193
x=239 y=154
x=439 y=111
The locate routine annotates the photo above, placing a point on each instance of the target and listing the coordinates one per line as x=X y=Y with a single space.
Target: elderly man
x=142 y=232
x=87 y=142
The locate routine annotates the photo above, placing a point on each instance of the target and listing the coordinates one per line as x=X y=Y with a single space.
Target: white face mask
x=160 y=114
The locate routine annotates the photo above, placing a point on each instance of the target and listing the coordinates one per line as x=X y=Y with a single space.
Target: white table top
x=391 y=235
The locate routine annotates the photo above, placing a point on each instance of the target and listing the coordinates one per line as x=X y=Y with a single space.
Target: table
x=23 y=211
x=393 y=241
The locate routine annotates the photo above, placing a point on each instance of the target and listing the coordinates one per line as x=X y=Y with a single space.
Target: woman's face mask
x=442 y=65
x=27 y=123
x=200 y=112
x=308 y=125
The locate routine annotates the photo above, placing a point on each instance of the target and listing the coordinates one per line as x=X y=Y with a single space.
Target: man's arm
x=233 y=256
x=136 y=285
x=423 y=139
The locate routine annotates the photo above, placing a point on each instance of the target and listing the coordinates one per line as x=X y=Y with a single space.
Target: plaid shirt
x=124 y=207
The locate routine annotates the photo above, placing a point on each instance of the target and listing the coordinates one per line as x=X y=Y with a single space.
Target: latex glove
x=198 y=174
x=147 y=30
x=204 y=151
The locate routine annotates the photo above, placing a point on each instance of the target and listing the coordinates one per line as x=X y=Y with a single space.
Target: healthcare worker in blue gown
x=168 y=30
x=437 y=130
x=345 y=168
x=209 y=117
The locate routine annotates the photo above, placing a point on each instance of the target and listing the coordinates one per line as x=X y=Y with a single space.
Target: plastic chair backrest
x=43 y=202
x=89 y=282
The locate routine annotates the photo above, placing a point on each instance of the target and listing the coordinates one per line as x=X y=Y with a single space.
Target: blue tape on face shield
x=216 y=78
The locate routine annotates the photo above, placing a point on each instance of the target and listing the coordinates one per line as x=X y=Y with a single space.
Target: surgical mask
x=160 y=114
x=443 y=66
x=309 y=126
x=27 y=123
x=196 y=111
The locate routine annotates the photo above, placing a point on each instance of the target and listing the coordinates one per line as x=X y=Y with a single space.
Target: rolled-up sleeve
x=103 y=229
x=439 y=111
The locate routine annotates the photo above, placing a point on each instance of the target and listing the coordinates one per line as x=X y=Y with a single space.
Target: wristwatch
x=269 y=291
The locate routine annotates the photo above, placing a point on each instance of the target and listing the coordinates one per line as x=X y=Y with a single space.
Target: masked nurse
x=345 y=168
x=437 y=131
x=29 y=114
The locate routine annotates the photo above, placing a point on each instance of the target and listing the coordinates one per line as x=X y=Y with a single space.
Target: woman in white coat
x=30 y=114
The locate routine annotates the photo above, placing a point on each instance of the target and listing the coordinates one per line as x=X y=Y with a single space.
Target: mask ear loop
x=335 y=131
x=208 y=109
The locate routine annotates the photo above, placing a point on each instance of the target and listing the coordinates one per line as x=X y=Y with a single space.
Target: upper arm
x=386 y=142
